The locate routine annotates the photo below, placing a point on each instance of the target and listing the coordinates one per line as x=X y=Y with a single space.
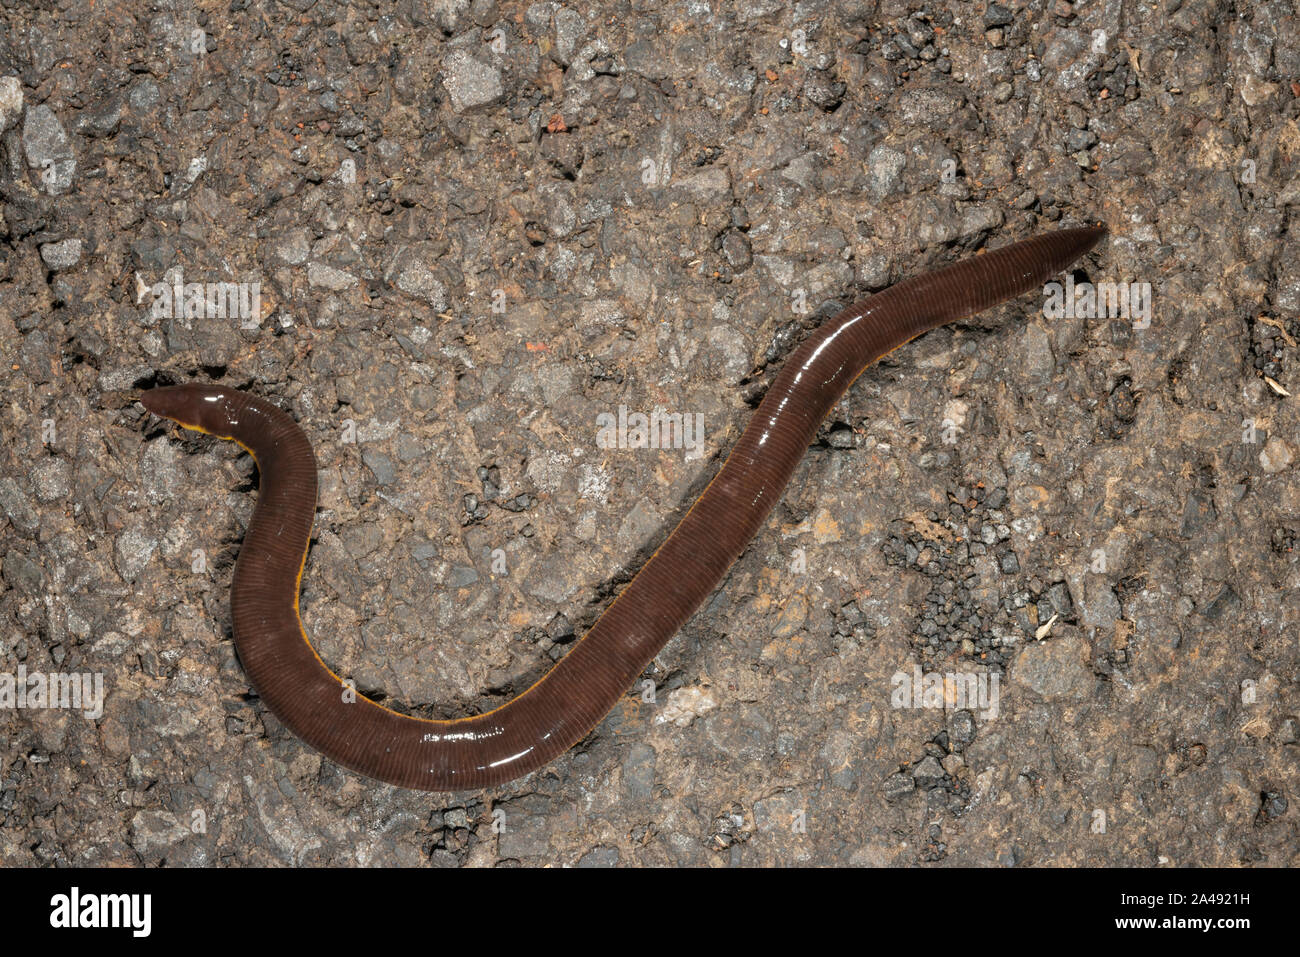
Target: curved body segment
x=550 y=717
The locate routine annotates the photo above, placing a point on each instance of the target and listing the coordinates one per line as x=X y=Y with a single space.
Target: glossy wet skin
x=559 y=710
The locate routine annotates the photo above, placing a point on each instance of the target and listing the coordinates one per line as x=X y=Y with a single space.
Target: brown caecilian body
x=556 y=712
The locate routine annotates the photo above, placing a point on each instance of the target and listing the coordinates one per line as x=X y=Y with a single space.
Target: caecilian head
x=208 y=408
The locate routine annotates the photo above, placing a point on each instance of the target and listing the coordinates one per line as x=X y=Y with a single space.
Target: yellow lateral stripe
x=444 y=722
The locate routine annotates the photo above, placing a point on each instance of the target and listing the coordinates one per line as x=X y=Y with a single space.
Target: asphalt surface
x=462 y=232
